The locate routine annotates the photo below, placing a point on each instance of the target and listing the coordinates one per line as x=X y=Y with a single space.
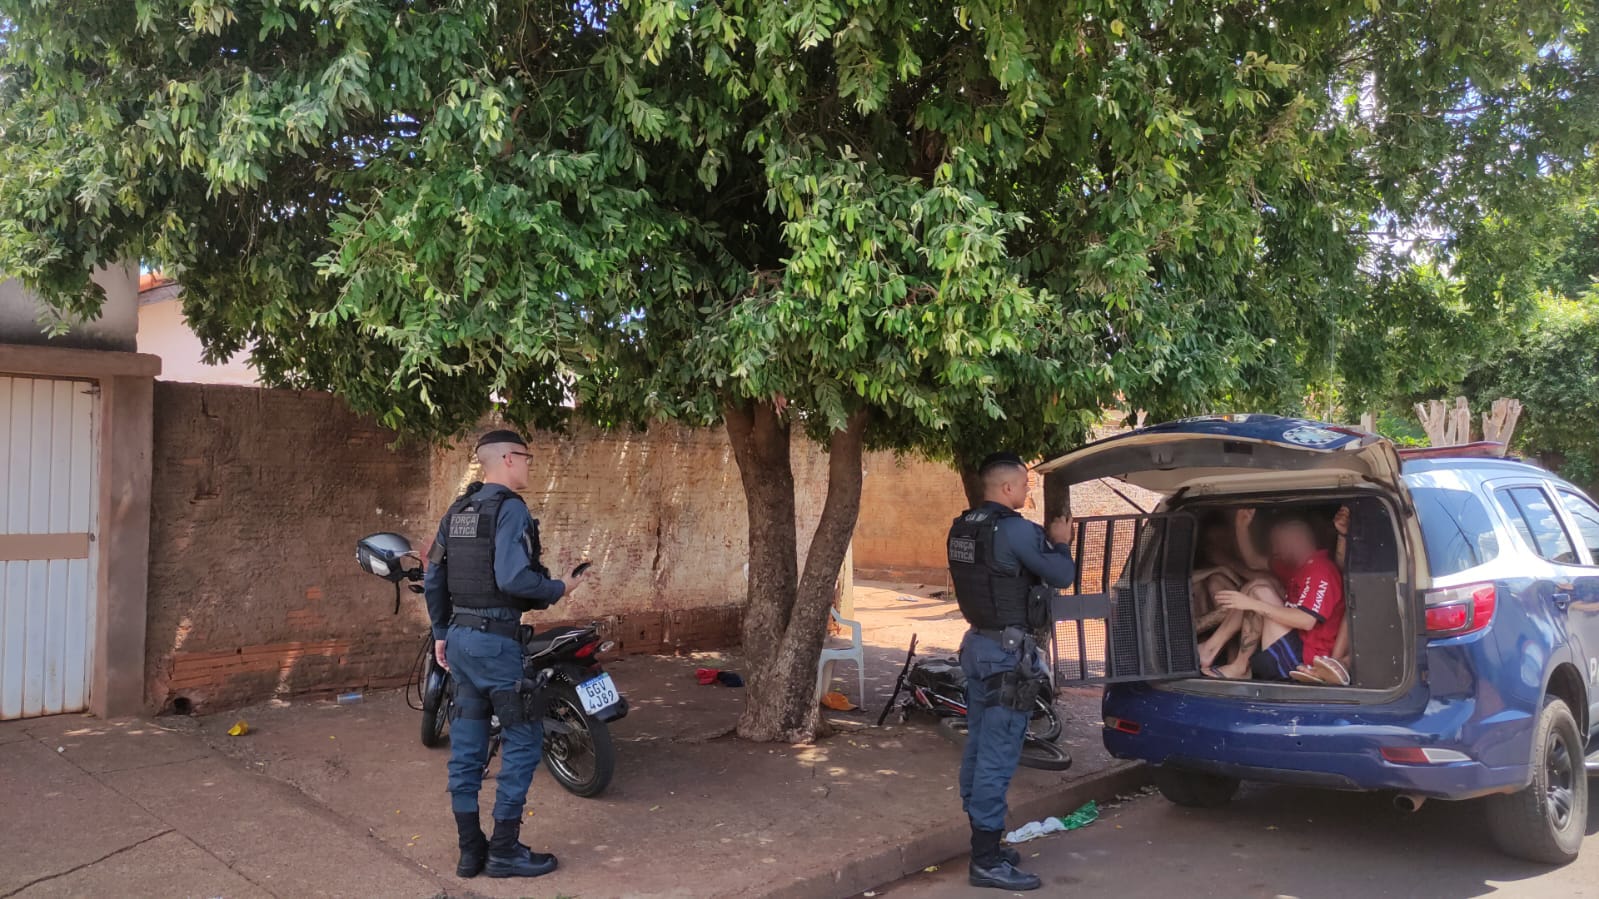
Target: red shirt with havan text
x=1317 y=586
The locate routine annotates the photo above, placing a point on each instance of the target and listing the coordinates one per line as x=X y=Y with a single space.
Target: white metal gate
x=48 y=512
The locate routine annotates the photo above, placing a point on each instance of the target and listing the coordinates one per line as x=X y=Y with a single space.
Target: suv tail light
x=1453 y=611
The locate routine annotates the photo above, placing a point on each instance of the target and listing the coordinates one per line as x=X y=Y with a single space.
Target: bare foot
x=1233 y=671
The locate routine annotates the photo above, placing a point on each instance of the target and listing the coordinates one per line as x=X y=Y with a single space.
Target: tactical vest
x=469 y=529
x=990 y=598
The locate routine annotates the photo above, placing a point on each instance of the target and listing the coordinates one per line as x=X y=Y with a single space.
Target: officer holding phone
x=999 y=561
x=483 y=573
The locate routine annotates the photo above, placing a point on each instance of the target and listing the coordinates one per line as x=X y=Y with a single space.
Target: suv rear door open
x=1132 y=620
x=1170 y=457
x=1128 y=617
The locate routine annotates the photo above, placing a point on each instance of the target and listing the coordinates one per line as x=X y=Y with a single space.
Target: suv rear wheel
x=1545 y=821
x=1195 y=789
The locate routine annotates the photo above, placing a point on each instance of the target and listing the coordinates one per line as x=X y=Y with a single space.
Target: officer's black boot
x=991 y=868
x=1005 y=851
x=509 y=858
x=474 y=845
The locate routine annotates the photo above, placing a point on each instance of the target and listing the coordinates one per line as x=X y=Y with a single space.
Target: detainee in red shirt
x=1296 y=625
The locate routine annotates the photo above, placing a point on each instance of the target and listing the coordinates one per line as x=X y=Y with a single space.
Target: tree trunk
x=782 y=702
x=1057 y=496
x=973 y=485
x=760 y=439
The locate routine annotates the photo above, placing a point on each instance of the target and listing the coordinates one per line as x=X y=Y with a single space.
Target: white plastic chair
x=855 y=652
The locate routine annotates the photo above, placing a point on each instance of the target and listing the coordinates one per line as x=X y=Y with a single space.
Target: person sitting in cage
x=1278 y=630
x=1332 y=668
x=1218 y=566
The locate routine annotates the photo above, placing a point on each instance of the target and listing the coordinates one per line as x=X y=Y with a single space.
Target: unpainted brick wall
x=907 y=505
x=257 y=500
x=259 y=497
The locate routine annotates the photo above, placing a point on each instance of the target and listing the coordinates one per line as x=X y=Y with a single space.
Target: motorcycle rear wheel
x=584 y=760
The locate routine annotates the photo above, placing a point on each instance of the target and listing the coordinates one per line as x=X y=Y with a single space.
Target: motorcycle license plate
x=598 y=693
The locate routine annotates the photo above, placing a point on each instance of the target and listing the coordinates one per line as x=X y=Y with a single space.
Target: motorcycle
x=561 y=662
x=937 y=687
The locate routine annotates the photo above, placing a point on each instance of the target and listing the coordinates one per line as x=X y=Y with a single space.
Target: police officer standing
x=998 y=560
x=483 y=573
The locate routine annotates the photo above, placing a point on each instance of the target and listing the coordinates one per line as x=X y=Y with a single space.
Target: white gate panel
x=48 y=514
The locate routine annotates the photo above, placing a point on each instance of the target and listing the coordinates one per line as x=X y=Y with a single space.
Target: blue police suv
x=1469 y=628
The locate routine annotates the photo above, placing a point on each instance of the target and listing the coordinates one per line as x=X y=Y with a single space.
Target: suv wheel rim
x=1561 y=779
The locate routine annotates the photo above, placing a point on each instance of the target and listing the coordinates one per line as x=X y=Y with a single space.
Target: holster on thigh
x=527 y=702
x=465 y=706
x=1015 y=690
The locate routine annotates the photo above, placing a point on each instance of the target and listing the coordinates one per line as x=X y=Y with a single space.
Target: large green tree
x=1553 y=369
x=1551 y=363
x=935 y=226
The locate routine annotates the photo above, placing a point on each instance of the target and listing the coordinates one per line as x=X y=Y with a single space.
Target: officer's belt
x=998 y=636
x=501 y=626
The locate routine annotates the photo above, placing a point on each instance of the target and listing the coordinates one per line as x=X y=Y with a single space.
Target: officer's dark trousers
x=995 y=733
x=481 y=663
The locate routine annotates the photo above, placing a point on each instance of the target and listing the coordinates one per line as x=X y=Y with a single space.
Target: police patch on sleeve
x=963 y=549
x=464 y=524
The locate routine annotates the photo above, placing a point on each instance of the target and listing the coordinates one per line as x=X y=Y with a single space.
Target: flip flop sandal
x=1214 y=673
x=1305 y=677
x=1331 y=671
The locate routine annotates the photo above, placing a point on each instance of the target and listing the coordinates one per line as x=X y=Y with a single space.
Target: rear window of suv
x=1533 y=516
x=1457 y=529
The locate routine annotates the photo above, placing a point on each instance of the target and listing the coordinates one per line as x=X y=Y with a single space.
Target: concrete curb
x=951 y=840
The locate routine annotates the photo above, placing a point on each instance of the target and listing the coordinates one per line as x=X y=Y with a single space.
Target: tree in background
x=1553 y=368
x=1551 y=364
x=930 y=227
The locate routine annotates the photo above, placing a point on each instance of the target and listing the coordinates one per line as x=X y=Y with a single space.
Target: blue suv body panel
x=1317 y=745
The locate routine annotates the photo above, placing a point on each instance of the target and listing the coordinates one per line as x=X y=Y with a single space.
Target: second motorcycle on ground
x=937 y=687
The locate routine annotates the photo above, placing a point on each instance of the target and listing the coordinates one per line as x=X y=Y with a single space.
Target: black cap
x=501 y=436
x=995 y=460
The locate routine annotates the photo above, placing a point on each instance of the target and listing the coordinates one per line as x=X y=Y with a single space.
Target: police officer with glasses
x=483 y=572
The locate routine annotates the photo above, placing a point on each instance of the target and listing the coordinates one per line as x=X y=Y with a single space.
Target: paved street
x=1279 y=842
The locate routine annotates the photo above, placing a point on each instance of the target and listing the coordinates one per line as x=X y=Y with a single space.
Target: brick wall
x=907 y=505
x=260 y=495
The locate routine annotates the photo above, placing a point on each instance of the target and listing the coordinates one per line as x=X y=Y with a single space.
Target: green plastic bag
x=1083 y=817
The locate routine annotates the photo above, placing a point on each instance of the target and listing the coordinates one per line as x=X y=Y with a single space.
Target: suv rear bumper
x=1315 y=746
x=1464 y=780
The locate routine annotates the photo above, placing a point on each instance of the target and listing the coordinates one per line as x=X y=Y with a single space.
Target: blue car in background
x=1472 y=598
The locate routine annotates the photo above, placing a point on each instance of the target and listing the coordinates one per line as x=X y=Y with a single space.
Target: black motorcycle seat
x=938 y=673
x=541 y=641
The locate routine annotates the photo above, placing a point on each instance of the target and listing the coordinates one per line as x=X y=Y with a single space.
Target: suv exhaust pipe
x=1408 y=802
